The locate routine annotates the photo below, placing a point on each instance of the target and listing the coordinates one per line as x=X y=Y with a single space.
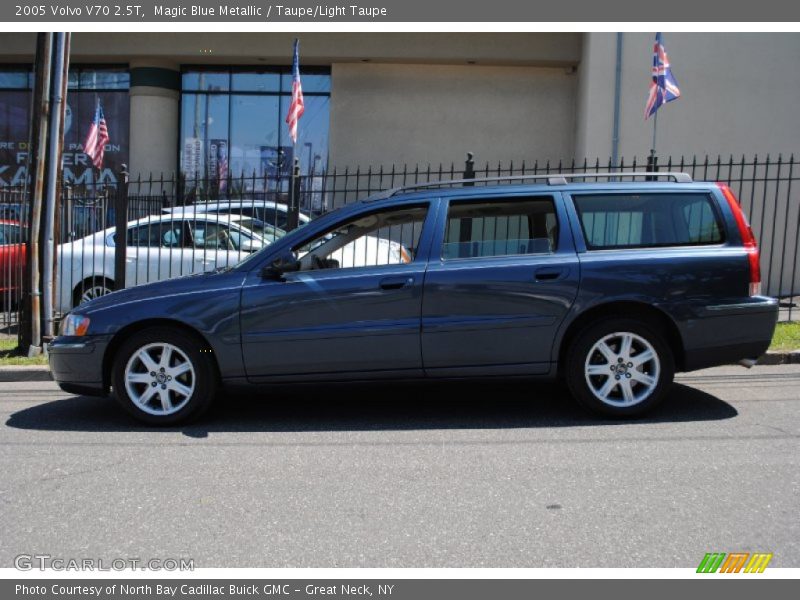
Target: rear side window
x=10 y=234
x=500 y=228
x=648 y=220
x=161 y=234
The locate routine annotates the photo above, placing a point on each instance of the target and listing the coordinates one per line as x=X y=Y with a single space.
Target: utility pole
x=30 y=337
x=60 y=74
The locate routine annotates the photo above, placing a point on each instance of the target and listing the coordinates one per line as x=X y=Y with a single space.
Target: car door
x=502 y=275
x=353 y=308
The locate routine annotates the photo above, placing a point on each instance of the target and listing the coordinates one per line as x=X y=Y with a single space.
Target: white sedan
x=158 y=247
x=272 y=213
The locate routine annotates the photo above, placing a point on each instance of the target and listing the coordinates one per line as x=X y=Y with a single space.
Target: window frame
x=708 y=195
x=76 y=69
x=549 y=197
x=7 y=227
x=229 y=93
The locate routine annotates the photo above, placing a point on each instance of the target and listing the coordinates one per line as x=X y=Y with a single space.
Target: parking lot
x=455 y=475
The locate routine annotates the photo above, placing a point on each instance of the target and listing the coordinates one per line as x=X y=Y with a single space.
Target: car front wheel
x=619 y=367
x=163 y=376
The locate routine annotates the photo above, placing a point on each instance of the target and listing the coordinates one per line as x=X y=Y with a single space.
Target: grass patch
x=10 y=356
x=787 y=337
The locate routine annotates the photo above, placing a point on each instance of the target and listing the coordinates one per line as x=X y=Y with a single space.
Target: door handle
x=549 y=273
x=395 y=283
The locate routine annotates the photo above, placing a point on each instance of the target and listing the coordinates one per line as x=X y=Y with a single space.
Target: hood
x=197 y=282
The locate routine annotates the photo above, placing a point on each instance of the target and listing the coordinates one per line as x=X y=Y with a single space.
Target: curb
x=780 y=358
x=42 y=372
x=25 y=373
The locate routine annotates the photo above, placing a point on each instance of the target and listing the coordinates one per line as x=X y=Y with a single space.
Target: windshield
x=268 y=232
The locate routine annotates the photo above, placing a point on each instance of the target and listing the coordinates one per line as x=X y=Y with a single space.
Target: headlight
x=74 y=325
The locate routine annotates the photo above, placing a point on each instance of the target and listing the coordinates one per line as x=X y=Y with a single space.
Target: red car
x=12 y=261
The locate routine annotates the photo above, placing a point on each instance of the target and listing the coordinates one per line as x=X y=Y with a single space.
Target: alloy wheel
x=622 y=369
x=159 y=379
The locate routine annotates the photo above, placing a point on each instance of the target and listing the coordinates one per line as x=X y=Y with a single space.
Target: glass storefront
x=87 y=86
x=233 y=128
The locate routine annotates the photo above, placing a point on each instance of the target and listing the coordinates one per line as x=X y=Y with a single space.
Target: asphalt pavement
x=447 y=475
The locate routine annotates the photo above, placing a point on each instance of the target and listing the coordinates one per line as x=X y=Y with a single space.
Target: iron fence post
x=652 y=165
x=465 y=232
x=469 y=169
x=67 y=218
x=120 y=229
x=293 y=218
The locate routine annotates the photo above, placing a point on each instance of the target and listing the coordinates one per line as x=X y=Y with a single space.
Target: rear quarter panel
x=703 y=289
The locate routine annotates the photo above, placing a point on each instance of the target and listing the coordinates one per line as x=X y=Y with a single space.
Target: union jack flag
x=97 y=138
x=296 y=108
x=663 y=88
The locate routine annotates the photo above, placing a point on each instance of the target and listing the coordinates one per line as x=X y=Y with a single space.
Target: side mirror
x=285 y=263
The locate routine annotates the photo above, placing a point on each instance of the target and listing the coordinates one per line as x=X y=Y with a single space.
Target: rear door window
x=161 y=234
x=647 y=220
x=481 y=229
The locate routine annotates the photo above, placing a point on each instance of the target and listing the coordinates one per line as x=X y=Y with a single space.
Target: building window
x=86 y=87
x=233 y=129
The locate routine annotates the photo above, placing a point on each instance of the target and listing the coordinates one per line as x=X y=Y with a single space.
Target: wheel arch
x=137 y=326
x=87 y=279
x=628 y=309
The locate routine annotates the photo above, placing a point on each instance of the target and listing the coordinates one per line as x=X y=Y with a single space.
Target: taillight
x=748 y=239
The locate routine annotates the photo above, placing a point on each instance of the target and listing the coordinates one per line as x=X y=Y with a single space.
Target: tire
x=608 y=386
x=91 y=288
x=185 y=378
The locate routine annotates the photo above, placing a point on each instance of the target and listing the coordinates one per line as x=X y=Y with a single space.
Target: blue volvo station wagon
x=611 y=286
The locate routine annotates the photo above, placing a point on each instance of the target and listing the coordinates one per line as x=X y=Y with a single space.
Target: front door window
x=381 y=238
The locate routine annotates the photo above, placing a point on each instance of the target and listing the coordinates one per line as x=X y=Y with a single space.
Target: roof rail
x=551 y=179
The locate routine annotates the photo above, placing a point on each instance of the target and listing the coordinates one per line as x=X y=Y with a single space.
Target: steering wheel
x=317 y=263
x=225 y=240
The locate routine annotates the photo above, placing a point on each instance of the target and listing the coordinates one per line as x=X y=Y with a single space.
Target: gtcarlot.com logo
x=44 y=562
x=735 y=562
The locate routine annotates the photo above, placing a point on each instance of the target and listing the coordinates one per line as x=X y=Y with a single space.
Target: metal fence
x=177 y=226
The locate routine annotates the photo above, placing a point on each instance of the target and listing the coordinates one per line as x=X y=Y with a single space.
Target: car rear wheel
x=619 y=367
x=162 y=376
x=91 y=288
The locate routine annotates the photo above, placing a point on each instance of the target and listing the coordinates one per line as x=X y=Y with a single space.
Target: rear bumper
x=77 y=364
x=728 y=333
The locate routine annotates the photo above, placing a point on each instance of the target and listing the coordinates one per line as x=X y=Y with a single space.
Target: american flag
x=296 y=108
x=97 y=138
x=663 y=88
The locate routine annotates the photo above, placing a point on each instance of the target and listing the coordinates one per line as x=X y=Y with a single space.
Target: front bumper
x=77 y=364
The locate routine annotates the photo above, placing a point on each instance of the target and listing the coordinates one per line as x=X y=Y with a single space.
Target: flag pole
x=96 y=170
x=652 y=161
x=655 y=128
x=295 y=112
